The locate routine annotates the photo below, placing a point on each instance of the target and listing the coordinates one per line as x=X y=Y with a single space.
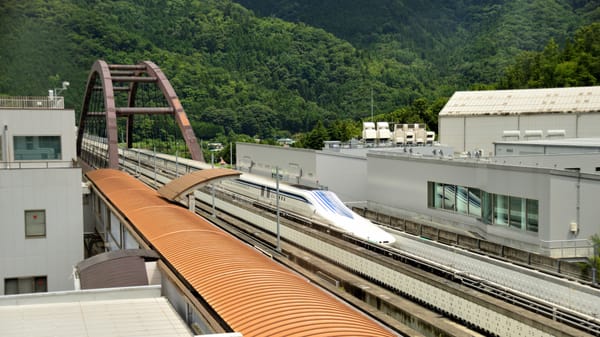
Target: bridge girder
x=127 y=78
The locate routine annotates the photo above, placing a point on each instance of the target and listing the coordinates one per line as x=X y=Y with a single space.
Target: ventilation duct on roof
x=511 y=134
x=555 y=133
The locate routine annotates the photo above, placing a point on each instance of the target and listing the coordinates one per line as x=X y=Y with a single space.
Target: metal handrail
x=32 y=102
x=31 y=164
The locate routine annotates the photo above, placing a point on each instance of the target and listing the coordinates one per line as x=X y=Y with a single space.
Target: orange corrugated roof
x=252 y=293
x=180 y=186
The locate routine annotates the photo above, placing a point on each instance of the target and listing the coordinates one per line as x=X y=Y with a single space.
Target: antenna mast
x=372 y=105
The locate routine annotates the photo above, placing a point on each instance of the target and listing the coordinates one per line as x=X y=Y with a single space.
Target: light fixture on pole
x=54 y=94
x=65 y=85
x=277 y=205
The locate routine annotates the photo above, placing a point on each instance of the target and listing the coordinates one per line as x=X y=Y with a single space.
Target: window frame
x=492 y=207
x=36 y=286
x=30 y=141
x=27 y=225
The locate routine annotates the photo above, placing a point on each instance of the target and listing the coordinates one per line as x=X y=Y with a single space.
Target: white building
x=474 y=120
x=41 y=221
x=533 y=185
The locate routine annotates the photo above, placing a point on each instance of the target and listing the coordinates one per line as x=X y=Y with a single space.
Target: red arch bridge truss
x=113 y=91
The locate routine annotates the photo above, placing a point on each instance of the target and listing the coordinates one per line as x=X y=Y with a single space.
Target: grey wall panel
x=343 y=174
x=547 y=122
x=401 y=183
x=589 y=222
x=467 y=133
x=451 y=132
x=588 y=125
x=295 y=165
x=482 y=131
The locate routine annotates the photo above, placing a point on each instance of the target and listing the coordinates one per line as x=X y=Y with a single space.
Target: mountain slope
x=466 y=41
x=263 y=76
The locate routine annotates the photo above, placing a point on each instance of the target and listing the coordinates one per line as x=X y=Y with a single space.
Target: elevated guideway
x=560 y=292
x=452 y=299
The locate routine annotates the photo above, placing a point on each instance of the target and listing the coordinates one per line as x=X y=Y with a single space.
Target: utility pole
x=372 y=120
x=277 y=205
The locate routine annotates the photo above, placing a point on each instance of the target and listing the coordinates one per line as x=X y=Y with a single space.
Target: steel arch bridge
x=114 y=91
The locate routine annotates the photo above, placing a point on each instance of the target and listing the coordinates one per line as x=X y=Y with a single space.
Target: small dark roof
x=119 y=268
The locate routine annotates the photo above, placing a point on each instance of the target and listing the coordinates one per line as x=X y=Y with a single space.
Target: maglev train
x=318 y=205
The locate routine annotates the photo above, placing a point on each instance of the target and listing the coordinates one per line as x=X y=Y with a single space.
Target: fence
x=32 y=102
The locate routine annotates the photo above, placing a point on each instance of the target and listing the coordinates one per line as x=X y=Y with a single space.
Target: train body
x=317 y=205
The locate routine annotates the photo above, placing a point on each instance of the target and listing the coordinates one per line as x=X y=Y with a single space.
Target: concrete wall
x=466 y=133
x=58 y=191
x=586 y=163
x=53 y=186
x=38 y=123
x=400 y=182
x=344 y=174
x=296 y=166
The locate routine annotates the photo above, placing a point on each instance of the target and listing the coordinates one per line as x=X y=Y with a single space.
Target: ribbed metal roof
x=184 y=184
x=252 y=293
x=525 y=101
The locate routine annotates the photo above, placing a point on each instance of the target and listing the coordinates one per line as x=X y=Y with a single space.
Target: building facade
x=543 y=210
x=41 y=227
x=474 y=120
x=296 y=166
x=527 y=175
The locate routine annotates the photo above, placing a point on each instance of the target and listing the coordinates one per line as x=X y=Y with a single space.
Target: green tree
x=316 y=137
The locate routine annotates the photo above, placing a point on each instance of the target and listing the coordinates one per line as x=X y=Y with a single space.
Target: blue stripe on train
x=333 y=205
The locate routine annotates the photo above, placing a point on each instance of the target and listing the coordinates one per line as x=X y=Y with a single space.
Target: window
x=37 y=148
x=449 y=197
x=475 y=202
x=35 y=223
x=517 y=212
x=462 y=202
x=532 y=215
x=24 y=285
x=436 y=194
x=492 y=209
x=486 y=207
x=500 y=210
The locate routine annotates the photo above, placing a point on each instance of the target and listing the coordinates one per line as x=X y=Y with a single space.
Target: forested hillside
x=300 y=66
x=462 y=41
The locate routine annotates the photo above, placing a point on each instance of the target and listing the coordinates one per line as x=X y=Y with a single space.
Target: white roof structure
x=134 y=311
x=570 y=142
x=523 y=101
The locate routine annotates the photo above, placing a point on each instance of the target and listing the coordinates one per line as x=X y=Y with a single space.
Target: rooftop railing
x=16 y=165
x=32 y=102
